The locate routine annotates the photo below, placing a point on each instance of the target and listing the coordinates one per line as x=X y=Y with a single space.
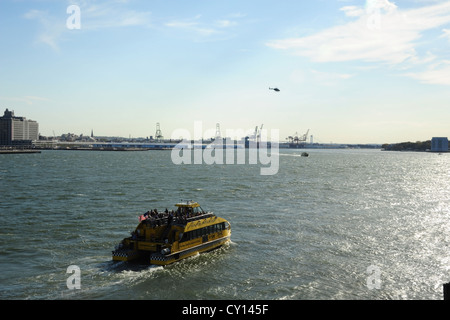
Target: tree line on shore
x=407 y=146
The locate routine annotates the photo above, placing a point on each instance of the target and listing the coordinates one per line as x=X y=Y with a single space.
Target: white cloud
x=381 y=33
x=110 y=14
x=436 y=74
x=50 y=29
x=446 y=33
x=237 y=15
x=225 y=23
x=94 y=15
x=426 y=59
x=376 y=5
x=198 y=27
x=103 y=14
x=353 y=11
x=329 y=77
x=301 y=76
x=192 y=25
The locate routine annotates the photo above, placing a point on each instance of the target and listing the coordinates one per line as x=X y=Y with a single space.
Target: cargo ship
x=162 y=238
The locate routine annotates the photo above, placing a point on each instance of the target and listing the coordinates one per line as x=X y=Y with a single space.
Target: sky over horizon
x=372 y=71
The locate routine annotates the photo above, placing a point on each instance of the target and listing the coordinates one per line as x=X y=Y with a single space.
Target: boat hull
x=125 y=255
x=163 y=260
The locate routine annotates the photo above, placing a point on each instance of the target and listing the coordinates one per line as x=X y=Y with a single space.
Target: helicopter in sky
x=275 y=89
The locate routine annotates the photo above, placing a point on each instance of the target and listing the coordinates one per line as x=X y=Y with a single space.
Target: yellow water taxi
x=162 y=238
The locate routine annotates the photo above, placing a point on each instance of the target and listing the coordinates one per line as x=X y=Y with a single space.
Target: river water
x=339 y=224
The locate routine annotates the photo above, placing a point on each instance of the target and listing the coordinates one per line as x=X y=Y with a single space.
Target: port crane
x=298 y=139
x=158 y=135
x=257 y=134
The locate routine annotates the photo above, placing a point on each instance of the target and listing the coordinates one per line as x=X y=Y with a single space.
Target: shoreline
x=19 y=151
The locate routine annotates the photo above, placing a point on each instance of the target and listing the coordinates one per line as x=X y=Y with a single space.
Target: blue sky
x=374 y=71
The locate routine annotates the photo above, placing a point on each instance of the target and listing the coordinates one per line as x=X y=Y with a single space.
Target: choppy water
x=340 y=224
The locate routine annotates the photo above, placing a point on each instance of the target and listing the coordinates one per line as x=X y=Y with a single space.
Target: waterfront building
x=439 y=144
x=17 y=131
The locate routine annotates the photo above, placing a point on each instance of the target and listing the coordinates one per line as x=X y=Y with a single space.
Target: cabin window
x=198 y=233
